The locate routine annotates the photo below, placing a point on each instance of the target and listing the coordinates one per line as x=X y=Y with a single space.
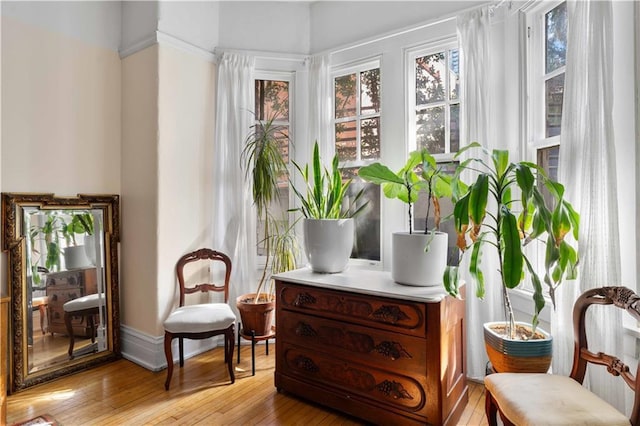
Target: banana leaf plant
x=325 y=191
x=504 y=210
x=421 y=172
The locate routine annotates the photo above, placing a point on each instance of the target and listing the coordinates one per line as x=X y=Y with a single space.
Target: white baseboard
x=148 y=351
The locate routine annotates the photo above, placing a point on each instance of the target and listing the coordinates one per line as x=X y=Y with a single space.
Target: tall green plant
x=325 y=191
x=265 y=167
x=504 y=209
x=421 y=172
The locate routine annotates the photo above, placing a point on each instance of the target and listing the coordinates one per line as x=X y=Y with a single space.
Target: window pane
x=429 y=74
x=430 y=130
x=370 y=91
x=346 y=140
x=556 y=37
x=272 y=98
x=366 y=244
x=454 y=127
x=454 y=74
x=554 y=92
x=345 y=96
x=370 y=139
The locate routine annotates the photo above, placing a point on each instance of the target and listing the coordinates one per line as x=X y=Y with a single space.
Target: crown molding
x=160 y=37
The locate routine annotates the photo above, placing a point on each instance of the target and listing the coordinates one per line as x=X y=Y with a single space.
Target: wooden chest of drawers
x=360 y=343
x=62 y=287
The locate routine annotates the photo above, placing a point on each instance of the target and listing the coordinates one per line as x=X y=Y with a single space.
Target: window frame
x=410 y=55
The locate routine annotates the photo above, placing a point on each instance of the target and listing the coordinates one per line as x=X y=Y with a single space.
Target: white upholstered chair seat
x=564 y=401
x=85 y=302
x=200 y=318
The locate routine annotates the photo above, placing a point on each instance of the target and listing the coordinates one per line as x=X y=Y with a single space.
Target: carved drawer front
x=369 y=346
x=69 y=278
x=61 y=294
x=389 y=314
x=355 y=380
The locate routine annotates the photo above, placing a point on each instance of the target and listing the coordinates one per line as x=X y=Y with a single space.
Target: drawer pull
x=306 y=364
x=393 y=390
x=393 y=350
x=305 y=330
x=304 y=299
x=390 y=314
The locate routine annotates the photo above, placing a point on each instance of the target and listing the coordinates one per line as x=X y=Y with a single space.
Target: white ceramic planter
x=328 y=243
x=411 y=265
x=75 y=257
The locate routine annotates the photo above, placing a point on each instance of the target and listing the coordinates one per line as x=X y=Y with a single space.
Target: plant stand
x=251 y=335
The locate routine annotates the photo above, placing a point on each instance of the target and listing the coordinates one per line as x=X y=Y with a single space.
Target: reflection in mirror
x=64 y=283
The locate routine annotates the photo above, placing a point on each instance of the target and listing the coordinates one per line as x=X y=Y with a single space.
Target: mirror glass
x=63 y=278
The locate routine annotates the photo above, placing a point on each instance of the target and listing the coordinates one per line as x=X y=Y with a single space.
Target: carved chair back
x=200 y=255
x=623 y=298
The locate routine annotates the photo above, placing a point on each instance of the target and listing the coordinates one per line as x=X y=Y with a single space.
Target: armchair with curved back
x=203 y=320
x=536 y=399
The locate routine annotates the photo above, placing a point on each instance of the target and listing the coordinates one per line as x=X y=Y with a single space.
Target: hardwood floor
x=123 y=393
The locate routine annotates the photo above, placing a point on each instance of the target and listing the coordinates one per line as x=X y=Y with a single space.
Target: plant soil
x=522 y=332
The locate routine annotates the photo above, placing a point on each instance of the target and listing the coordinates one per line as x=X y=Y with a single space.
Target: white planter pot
x=75 y=257
x=328 y=243
x=411 y=265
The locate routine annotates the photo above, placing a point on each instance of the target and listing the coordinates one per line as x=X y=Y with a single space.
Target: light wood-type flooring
x=123 y=393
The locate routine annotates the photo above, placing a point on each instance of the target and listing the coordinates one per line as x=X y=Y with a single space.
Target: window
x=434 y=98
x=356 y=122
x=272 y=101
x=547 y=36
x=434 y=121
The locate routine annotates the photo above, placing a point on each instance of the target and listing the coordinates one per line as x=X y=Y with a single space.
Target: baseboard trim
x=148 y=351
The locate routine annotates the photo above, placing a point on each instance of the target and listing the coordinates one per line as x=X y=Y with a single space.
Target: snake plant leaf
x=512 y=257
x=479 y=193
x=474 y=268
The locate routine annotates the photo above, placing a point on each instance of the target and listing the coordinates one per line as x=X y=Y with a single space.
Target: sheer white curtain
x=320 y=96
x=588 y=169
x=234 y=218
x=474 y=33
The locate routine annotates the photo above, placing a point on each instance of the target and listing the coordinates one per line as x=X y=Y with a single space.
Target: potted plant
x=504 y=210
x=78 y=255
x=418 y=259
x=265 y=166
x=327 y=223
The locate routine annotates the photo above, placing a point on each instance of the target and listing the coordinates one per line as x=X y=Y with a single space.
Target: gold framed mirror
x=63 y=281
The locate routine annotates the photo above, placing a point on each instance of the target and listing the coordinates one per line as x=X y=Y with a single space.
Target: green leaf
x=379 y=174
x=474 y=268
x=451 y=281
x=538 y=297
x=500 y=161
x=478 y=198
x=512 y=257
x=461 y=213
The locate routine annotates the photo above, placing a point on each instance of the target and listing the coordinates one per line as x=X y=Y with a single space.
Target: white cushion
x=84 y=302
x=529 y=399
x=200 y=318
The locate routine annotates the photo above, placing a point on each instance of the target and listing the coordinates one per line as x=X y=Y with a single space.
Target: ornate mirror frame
x=14 y=243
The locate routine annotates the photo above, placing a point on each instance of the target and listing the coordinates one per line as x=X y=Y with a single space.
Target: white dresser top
x=364 y=281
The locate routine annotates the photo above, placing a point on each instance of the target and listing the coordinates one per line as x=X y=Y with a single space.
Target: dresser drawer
x=388 y=314
x=353 y=380
x=383 y=349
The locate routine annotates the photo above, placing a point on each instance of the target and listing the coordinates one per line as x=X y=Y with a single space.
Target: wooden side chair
x=539 y=399
x=85 y=307
x=203 y=320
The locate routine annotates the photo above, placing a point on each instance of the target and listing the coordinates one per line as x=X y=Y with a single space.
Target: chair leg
x=167 y=353
x=239 y=332
x=67 y=323
x=490 y=408
x=228 y=347
x=181 y=348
